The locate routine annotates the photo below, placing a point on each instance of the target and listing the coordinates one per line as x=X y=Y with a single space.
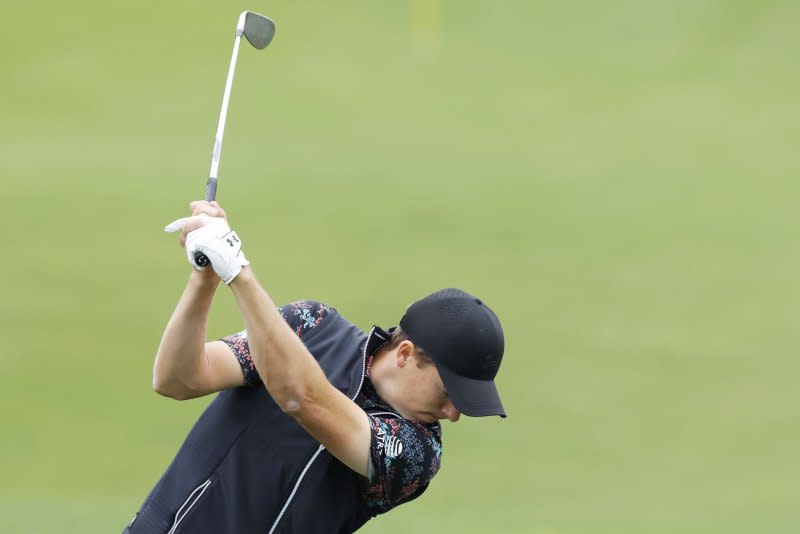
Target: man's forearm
x=183 y=342
x=290 y=373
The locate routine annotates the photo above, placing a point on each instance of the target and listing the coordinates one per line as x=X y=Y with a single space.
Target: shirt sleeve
x=404 y=457
x=301 y=317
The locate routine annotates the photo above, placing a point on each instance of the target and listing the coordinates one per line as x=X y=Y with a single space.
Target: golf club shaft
x=211 y=185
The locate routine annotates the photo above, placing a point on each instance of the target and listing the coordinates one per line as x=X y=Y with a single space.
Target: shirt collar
x=377 y=338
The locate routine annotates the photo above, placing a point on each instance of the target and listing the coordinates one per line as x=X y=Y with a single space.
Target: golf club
x=258 y=30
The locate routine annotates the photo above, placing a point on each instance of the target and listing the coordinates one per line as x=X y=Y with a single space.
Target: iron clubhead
x=257 y=28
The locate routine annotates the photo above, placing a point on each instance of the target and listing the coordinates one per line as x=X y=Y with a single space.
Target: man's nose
x=451 y=412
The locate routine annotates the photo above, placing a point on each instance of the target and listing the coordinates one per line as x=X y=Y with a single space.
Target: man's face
x=423 y=397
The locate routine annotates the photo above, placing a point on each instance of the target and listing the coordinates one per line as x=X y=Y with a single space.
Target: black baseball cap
x=464 y=338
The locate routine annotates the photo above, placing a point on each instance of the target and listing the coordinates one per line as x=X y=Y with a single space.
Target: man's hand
x=220 y=245
x=207 y=232
x=198 y=207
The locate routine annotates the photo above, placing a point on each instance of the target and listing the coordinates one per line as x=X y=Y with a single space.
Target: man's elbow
x=302 y=403
x=293 y=400
x=293 y=406
x=170 y=388
x=299 y=393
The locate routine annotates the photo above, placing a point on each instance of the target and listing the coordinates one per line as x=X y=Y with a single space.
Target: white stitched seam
x=321 y=447
x=384 y=413
x=178 y=517
x=294 y=490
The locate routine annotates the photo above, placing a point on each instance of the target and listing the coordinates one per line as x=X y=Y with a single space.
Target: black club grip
x=211 y=189
x=211 y=194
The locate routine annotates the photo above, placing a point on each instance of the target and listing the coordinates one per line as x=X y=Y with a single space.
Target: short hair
x=397 y=337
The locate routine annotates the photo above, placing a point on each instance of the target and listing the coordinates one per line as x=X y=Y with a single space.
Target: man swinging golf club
x=318 y=426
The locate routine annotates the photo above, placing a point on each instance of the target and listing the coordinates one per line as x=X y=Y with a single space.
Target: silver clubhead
x=257 y=28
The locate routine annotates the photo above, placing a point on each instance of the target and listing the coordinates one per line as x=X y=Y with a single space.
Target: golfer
x=318 y=426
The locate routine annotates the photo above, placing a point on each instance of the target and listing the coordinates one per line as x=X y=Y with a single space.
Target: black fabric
x=247 y=455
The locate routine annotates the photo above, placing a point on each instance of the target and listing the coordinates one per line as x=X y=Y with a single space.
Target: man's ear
x=405 y=350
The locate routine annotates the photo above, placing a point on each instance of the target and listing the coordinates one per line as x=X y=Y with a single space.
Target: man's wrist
x=246 y=276
x=206 y=279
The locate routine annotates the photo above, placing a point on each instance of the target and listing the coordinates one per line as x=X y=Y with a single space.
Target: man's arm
x=295 y=380
x=186 y=366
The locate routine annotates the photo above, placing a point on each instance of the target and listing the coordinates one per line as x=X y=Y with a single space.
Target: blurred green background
x=619 y=180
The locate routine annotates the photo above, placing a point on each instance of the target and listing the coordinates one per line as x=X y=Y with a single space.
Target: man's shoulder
x=307 y=304
x=305 y=315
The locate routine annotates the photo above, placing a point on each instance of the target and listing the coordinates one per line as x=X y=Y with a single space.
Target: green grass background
x=619 y=180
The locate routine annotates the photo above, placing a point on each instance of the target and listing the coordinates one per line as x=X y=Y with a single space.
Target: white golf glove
x=218 y=243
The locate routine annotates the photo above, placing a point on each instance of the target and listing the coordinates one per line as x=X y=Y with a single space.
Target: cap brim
x=475 y=398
